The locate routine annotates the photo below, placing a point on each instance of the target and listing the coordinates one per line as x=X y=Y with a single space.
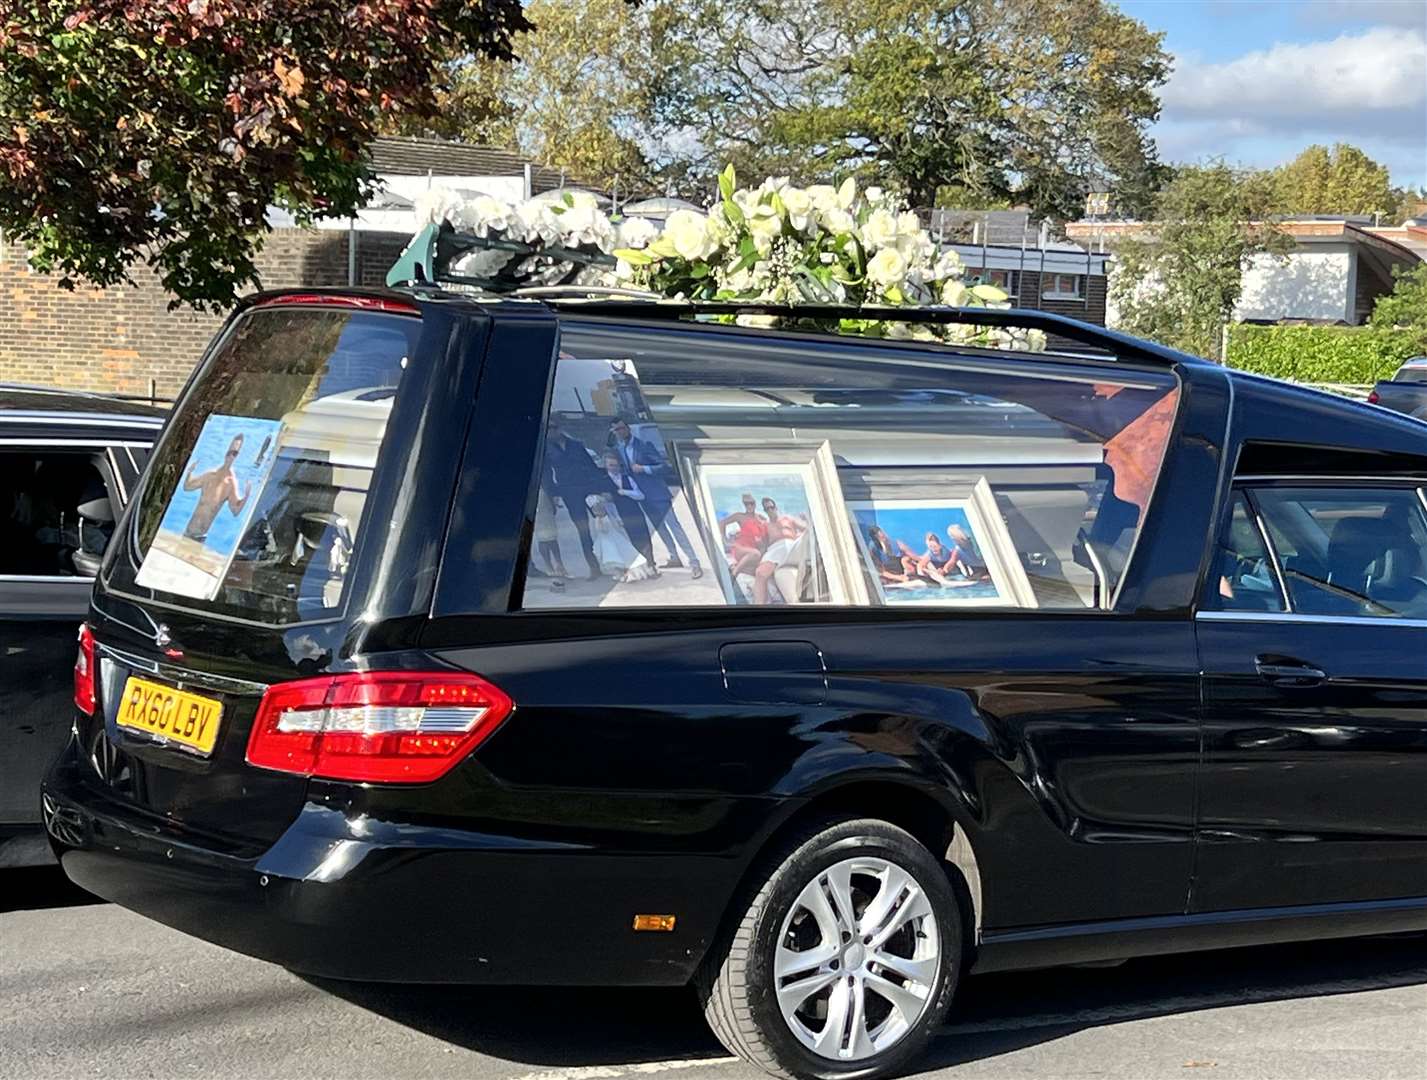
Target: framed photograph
x=952 y=550
x=772 y=514
x=210 y=509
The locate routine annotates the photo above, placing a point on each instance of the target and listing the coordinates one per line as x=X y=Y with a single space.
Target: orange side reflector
x=661 y=923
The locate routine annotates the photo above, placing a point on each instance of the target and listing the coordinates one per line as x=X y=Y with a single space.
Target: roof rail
x=427 y=261
x=1123 y=346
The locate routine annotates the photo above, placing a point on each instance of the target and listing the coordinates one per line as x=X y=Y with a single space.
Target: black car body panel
x=40 y=611
x=1099 y=782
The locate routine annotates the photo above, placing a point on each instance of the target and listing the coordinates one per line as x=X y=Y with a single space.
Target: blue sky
x=1257 y=80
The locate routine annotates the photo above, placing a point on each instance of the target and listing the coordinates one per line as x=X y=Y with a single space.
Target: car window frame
x=1208 y=609
x=1006 y=363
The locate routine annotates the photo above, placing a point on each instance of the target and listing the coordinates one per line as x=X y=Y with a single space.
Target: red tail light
x=381 y=726
x=84 y=697
x=1374 y=398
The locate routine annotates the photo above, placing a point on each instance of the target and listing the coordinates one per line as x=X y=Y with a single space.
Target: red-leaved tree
x=161 y=130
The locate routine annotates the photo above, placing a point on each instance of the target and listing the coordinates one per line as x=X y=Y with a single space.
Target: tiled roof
x=409 y=156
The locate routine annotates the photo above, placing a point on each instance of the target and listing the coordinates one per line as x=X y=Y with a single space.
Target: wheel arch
x=923 y=810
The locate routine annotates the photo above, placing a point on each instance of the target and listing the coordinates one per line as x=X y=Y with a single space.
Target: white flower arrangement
x=773 y=244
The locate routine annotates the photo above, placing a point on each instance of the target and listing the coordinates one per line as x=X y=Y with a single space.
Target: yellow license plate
x=170 y=713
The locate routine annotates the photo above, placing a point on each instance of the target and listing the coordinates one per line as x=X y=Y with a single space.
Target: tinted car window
x=706 y=469
x=1350 y=552
x=254 y=500
x=55 y=514
x=1244 y=578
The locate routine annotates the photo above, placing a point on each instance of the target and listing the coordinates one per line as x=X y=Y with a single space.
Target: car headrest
x=1355 y=545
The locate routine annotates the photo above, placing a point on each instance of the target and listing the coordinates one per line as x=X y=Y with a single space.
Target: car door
x=1314 y=650
x=45 y=566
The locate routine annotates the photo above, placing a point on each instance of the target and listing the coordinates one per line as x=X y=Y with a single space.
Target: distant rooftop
x=410 y=156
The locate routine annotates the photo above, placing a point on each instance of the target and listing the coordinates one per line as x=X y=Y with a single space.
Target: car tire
x=861 y=1004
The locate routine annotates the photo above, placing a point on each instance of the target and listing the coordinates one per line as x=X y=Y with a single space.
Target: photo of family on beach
x=770 y=509
x=944 y=552
x=209 y=510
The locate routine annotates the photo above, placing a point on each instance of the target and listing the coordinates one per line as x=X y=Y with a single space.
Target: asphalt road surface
x=89 y=990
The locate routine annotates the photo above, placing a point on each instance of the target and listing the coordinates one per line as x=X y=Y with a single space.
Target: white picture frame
x=822 y=566
x=987 y=574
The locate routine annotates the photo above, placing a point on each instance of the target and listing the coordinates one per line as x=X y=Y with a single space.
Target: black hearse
x=475 y=639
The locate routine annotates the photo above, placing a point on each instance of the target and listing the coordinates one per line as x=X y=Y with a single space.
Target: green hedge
x=1325 y=354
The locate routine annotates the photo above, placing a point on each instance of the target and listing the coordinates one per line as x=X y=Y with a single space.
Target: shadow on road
x=544 y=1026
x=995 y=1014
x=30 y=888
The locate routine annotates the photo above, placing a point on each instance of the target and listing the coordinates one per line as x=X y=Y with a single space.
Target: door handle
x=1284 y=671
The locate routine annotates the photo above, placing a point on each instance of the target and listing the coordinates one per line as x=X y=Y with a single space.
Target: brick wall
x=125 y=340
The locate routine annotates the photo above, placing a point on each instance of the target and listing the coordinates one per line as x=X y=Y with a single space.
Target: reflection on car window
x=1244 y=576
x=254 y=504
x=701 y=469
x=1350 y=552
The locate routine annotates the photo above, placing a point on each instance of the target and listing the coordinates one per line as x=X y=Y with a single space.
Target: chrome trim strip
x=1295 y=617
x=1279 y=581
x=1321 y=480
x=84 y=420
x=179 y=676
x=46 y=577
x=75 y=442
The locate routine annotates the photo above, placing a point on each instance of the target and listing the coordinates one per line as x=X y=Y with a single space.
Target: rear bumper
x=365 y=900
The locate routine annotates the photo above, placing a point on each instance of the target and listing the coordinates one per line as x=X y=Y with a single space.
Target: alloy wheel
x=857 y=959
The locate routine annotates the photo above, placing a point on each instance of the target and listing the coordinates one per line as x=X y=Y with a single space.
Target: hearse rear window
x=687 y=468
x=253 y=504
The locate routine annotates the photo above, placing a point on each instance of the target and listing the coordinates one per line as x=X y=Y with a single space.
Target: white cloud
x=1358 y=75
x=1368 y=88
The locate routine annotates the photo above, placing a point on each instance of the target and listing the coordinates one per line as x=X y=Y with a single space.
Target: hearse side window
x=1244 y=577
x=253 y=502
x=56 y=516
x=1349 y=551
x=687 y=468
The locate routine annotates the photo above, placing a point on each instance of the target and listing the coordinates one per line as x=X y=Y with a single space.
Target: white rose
x=437 y=205
x=688 y=231
x=954 y=294
x=875 y=195
x=898 y=331
x=486 y=214
x=760 y=321
x=1035 y=340
x=799 y=205
x=838 y=221
x=887 y=267
x=948 y=265
x=720 y=228
x=824 y=196
x=537 y=221
x=847 y=193
x=766 y=226
x=879 y=231
x=636 y=233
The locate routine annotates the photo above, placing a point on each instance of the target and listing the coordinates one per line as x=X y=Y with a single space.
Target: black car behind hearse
x=467 y=638
x=68 y=463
